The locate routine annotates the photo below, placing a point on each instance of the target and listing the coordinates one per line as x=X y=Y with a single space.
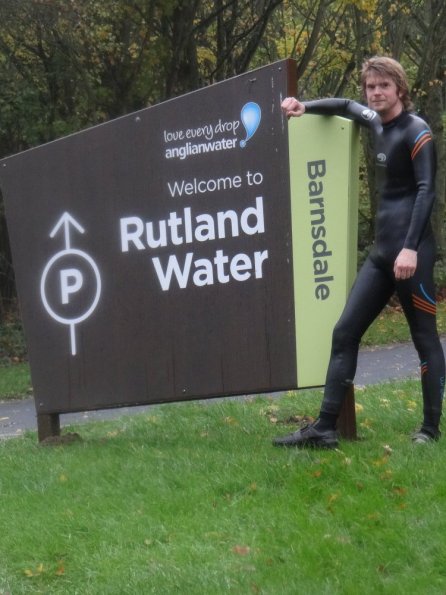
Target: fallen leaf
x=399 y=393
x=30 y=573
x=359 y=407
x=387 y=474
x=241 y=550
x=231 y=420
x=269 y=410
x=382 y=461
x=399 y=491
x=113 y=434
x=333 y=497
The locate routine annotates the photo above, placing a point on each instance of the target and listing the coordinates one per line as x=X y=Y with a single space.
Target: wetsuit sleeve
x=422 y=152
x=346 y=108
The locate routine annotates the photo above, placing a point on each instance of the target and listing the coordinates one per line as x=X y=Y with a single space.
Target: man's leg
x=370 y=293
x=372 y=290
x=417 y=297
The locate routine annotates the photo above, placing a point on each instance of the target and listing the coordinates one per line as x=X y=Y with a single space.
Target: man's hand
x=405 y=264
x=292 y=107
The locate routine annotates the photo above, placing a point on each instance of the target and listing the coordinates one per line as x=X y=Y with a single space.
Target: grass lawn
x=193 y=499
x=15 y=381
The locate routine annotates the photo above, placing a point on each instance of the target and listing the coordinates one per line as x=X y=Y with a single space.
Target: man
x=403 y=255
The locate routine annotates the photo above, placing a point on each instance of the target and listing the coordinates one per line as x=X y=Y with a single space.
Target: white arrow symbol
x=66 y=220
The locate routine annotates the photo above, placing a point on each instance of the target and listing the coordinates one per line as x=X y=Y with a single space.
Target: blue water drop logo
x=251 y=115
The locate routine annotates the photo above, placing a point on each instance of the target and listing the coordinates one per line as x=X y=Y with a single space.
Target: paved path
x=374 y=365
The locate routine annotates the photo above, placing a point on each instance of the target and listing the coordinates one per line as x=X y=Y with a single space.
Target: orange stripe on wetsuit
x=424 y=305
x=423 y=138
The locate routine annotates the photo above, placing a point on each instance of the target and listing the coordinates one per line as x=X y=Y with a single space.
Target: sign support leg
x=347 y=418
x=48 y=424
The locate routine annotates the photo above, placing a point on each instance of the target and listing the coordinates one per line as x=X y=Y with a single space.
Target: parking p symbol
x=71 y=280
x=70 y=288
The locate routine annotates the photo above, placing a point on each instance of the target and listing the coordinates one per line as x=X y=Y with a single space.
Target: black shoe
x=423 y=437
x=309 y=436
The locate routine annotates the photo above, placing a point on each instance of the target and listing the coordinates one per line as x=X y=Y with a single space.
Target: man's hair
x=390 y=68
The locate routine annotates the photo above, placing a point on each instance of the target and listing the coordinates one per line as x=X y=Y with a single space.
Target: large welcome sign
x=156 y=255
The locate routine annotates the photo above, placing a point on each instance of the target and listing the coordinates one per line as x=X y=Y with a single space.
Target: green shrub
x=12 y=341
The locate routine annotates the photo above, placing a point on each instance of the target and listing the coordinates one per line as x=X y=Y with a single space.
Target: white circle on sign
x=47 y=269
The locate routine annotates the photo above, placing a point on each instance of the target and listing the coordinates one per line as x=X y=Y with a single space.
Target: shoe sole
x=422 y=438
x=309 y=444
x=330 y=445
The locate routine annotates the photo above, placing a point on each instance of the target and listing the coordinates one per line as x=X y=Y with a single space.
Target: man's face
x=383 y=96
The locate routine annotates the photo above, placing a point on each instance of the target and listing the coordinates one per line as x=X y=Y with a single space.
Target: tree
x=426 y=49
x=69 y=64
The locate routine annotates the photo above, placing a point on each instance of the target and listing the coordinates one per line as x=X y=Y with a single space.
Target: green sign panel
x=324 y=190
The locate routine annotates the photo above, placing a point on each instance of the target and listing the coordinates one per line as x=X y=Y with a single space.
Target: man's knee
x=343 y=337
x=426 y=343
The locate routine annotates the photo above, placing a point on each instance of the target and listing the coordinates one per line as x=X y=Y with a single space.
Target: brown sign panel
x=153 y=253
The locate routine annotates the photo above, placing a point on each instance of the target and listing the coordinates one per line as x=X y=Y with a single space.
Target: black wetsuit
x=405 y=169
